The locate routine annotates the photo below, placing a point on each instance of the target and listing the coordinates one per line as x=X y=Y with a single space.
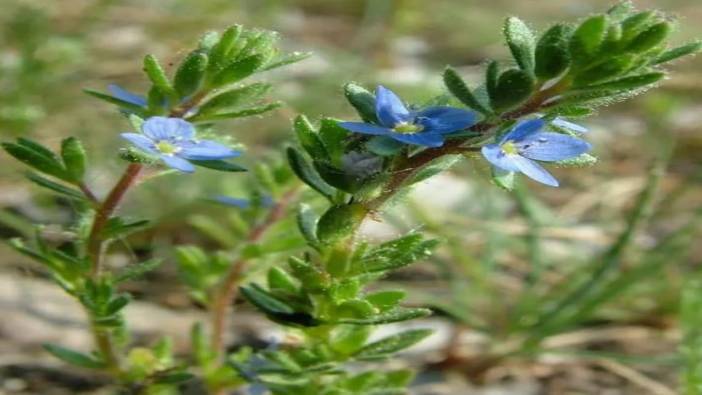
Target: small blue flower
x=173 y=141
x=122 y=94
x=527 y=141
x=426 y=127
x=569 y=126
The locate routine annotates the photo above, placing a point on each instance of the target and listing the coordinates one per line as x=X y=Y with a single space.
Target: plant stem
x=103 y=214
x=228 y=289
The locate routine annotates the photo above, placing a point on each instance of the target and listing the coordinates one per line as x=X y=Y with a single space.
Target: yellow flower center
x=509 y=148
x=166 y=147
x=407 y=128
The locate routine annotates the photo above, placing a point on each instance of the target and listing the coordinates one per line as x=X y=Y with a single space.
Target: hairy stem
x=228 y=289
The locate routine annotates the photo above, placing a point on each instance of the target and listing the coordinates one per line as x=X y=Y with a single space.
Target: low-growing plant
x=319 y=284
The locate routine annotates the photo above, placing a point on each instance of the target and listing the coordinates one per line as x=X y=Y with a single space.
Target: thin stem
x=103 y=214
x=88 y=193
x=228 y=288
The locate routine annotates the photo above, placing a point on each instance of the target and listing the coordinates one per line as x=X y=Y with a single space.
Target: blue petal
x=523 y=129
x=178 y=163
x=389 y=108
x=534 y=171
x=365 y=128
x=570 y=126
x=162 y=128
x=443 y=119
x=125 y=95
x=494 y=154
x=205 y=150
x=142 y=142
x=549 y=146
x=232 y=201
x=424 y=139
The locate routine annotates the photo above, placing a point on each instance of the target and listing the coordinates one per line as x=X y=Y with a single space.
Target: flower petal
x=424 y=139
x=550 y=147
x=570 y=126
x=389 y=108
x=125 y=95
x=444 y=119
x=178 y=163
x=162 y=128
x=494 y=154
x=534 y=171
x=523 y=129
x=205 y=150
x=365 y=128
x=140 y=141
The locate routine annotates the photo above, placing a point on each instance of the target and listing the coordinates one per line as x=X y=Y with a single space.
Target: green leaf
x=74 y=158
x=309 y=139
x=173 y=378
x=307 y=224
x=395 y=315
x=117 y=227
x=117 y=304
x=362 y=100
x=305 y=172
x=611 y=68
x=125 y=105
x=239 y=70
x=74 y=357
x=56 y=187
x=503 y=179
x=513 y=87
x=435 y=167
x=492 y=74
x=458 y=88
x=339 y=222
x=384 y=146
x=587 y=38
x=620 y=10
x=38 y=157
x=218 y=53
x=395 y=254
x=190 y=74
x=280 y=280
x=333 y=137
x=582 y=160
x=650 y=38
x=552 y=54
x=355 y=308
x=678 y=52
x=627 y=83
x=635 y=24
x=521 y=42
x=393 y=344
x=157 y=75
x=235 y=97
x=220 y=165
x=385 y=300
x=246 y=112
x=137 y=270
x=287 y=59
x=262 y=299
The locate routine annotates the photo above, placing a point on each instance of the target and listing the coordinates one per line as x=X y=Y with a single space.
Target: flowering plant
x=320 y=287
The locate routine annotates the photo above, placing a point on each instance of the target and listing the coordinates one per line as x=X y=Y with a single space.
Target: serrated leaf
x=552 y=54
x=157 y=75
x=239 y=70
x=307 y=224
x=393 y=344
x=521 y=42
x=398 y=314
x=137 y=270
x=362 y=100
x=459 y=89
x=513 y=87
x=190 y=74
x=74 y=158
x=74 y=357
x=306 y=172
x=125 y=105
x=587 y=38
x=220 y=165
x=56 y=187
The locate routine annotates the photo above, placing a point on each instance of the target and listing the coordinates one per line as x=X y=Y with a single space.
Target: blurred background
x=505 y=258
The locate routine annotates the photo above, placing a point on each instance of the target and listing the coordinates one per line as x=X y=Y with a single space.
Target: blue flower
x=173 y=141
x=426 y=127
x=527 y=141
x=122 y=94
